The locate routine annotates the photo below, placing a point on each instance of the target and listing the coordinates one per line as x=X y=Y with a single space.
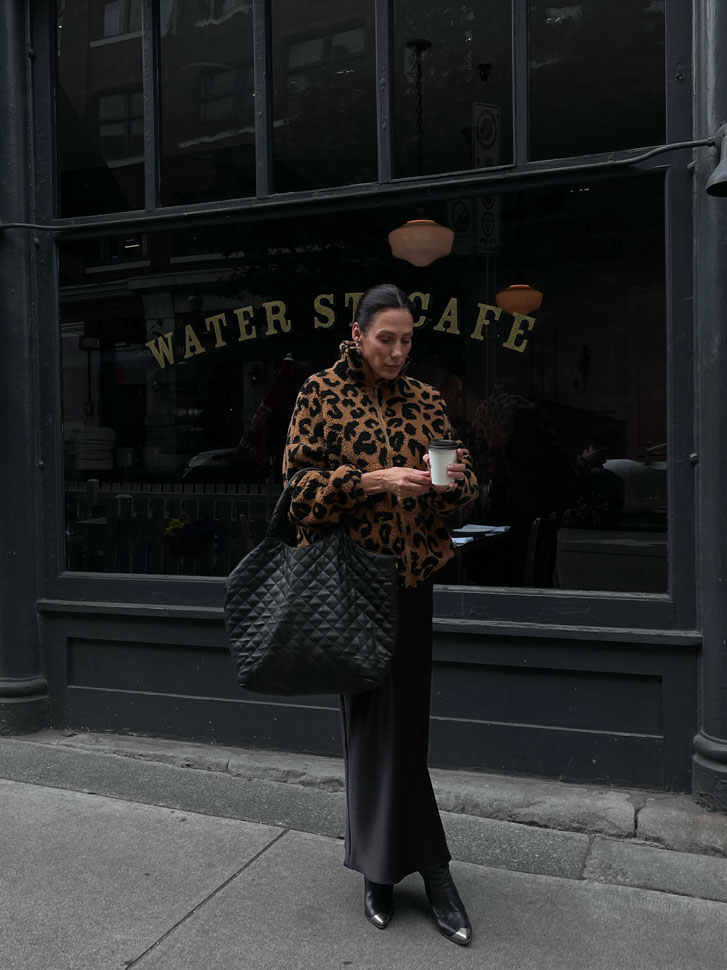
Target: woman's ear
x=356 y=332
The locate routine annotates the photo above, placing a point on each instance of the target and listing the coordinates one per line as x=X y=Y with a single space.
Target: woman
x=365 y=428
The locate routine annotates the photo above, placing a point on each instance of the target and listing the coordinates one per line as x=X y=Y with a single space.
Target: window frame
x=457 y=607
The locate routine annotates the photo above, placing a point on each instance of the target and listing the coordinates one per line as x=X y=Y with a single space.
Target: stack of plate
x=94 y=448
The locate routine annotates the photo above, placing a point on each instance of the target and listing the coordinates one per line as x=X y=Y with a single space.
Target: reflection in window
x=217 y=97
x=116 y=249
x=121 y=125
x=324 y=97
x=207 y=103
x=305 y=53
x=452 y=68
x=115 y=17
x=99 y=108
x=179 y=386
x=217 y=9
x=596 y=76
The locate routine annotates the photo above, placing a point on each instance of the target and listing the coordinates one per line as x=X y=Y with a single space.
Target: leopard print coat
x=345 y=427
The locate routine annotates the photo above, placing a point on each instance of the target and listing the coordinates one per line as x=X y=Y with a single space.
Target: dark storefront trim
x=710 y=229
x=121 y=651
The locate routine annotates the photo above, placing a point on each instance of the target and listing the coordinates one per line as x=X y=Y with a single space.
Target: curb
x=142 y=777
x=666 y=820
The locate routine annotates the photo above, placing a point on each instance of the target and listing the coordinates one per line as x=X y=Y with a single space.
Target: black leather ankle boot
x=378 y=903
x=447 y=907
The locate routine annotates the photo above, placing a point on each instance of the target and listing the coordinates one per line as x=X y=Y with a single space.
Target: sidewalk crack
x=586 y=857
x=639 y=804
x=128 y=964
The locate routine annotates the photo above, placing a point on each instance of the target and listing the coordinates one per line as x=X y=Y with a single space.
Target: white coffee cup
x=442 y=452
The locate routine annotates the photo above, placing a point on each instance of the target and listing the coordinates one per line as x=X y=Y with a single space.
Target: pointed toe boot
x=447 y=907
x=378 y=903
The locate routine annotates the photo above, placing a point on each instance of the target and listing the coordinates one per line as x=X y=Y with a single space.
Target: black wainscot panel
x=580 y=710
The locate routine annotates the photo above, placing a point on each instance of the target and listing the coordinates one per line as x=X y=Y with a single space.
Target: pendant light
x=420 y=241
x=519 y=298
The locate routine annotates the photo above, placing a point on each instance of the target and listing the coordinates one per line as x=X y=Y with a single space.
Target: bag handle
x=280 y=526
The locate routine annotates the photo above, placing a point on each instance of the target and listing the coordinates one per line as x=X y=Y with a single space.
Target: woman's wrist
x=373 y=482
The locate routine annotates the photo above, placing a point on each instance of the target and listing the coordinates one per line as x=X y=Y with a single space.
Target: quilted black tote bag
x=317 y=619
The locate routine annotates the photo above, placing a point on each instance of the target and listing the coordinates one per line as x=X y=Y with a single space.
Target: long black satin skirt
x=393 y=826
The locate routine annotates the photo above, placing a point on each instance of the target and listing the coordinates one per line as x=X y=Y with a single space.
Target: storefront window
x=207 y=102
x=324 y=94
x=596 y=76
x=99 y=107
x=452 y=70
x=183 y=354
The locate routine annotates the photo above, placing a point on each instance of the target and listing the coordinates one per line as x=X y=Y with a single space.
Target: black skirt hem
x=388 y=879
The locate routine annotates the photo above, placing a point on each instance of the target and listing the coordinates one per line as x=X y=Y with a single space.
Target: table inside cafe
x=469 y=540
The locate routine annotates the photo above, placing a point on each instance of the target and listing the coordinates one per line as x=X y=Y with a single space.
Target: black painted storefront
x=615 y=687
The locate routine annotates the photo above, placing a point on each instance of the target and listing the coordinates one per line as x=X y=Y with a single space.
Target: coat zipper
x=382 y=422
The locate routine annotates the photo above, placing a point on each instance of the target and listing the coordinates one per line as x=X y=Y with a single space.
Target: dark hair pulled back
x=384 y=296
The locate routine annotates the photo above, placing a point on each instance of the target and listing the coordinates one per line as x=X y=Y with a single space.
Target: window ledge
x=120 y=162
x=554 y=631
x=683 y=638
x=103 y=41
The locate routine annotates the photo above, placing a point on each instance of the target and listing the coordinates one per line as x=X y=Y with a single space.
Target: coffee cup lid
x=442 y=443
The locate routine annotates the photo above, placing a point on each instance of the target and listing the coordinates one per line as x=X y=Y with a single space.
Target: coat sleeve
x=466 y=489
x=328 y=494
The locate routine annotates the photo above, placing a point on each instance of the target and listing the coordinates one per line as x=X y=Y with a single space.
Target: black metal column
x=709 y=778
x=23 y=693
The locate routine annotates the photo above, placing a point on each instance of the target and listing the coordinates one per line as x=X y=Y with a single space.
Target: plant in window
x=188 y=538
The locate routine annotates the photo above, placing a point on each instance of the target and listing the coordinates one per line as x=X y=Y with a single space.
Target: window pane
x=207 y=104
x=136 y=137
x=350 y=41
x=218 y=108
x=95 y=84
x=219 y=83
x=178 y=391
x=453 y=98
x=112 y=106
x=306 y=52
x=113 y=140
x=324 y=94
x=223 y=8
x=112 y=18
x=134 y=15
x=597 y=79
x=564 y=404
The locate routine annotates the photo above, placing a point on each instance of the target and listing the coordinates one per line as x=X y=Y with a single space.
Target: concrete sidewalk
x=93 y=882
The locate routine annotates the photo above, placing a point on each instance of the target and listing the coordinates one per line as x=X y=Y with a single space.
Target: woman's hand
x=456 y=472
x=403 y=482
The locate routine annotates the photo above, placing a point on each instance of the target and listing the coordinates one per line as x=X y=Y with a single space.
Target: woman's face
x=386 y=343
